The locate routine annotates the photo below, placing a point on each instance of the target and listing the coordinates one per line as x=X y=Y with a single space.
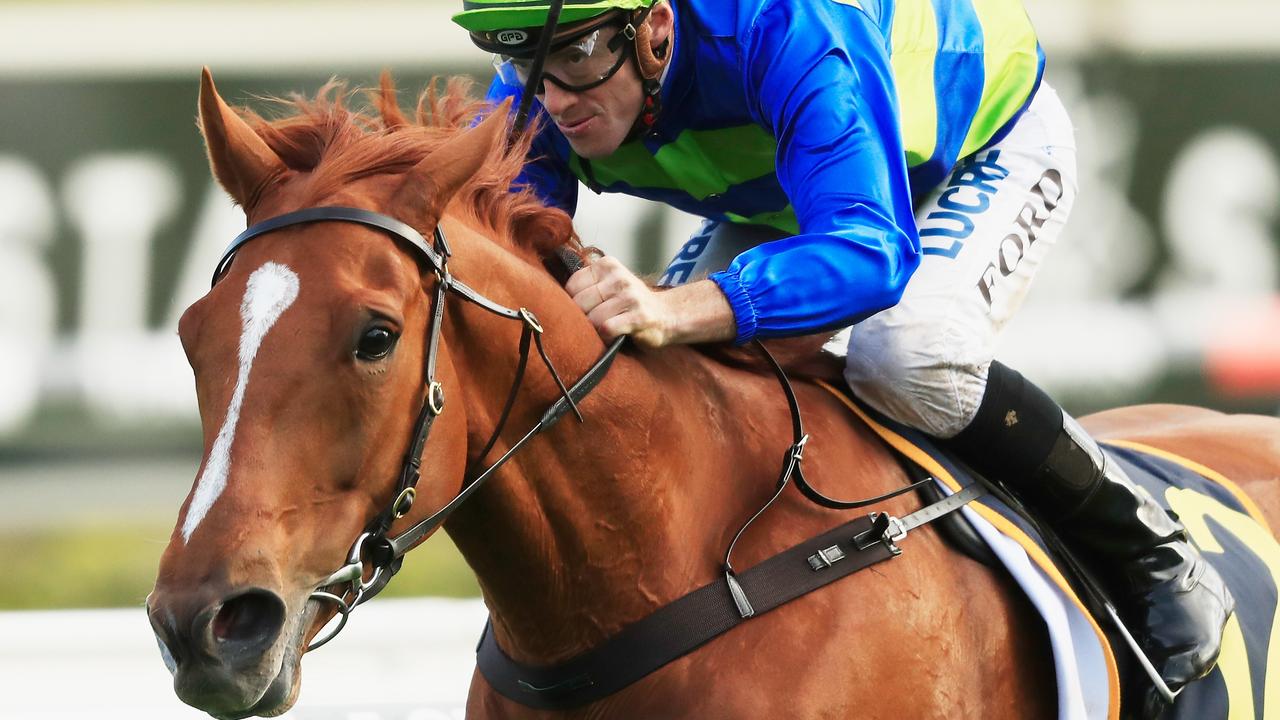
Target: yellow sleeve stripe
x=913 y=45
x=1011 y=62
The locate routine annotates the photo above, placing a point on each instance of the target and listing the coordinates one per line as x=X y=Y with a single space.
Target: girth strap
x=681 y=627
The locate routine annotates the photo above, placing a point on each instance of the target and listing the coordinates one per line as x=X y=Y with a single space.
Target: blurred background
x=1165 y=287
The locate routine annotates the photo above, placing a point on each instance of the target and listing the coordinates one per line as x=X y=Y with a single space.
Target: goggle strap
x=629 y=30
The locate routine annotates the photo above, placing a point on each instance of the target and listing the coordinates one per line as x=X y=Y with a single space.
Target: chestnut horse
x=309 y=355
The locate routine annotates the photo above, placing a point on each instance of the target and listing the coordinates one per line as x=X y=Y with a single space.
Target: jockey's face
x=597 y=121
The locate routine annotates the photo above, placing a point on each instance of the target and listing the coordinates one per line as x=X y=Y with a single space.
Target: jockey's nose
x=556 y=99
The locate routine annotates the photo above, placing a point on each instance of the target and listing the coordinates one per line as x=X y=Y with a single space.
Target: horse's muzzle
x=226 y=657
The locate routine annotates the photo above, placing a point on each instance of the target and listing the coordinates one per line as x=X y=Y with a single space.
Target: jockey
x=897 y=166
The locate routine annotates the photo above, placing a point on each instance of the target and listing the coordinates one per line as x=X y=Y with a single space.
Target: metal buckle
x=797 y=451
x=530 y=320
x=826 y=557
x=435 y=398
x=404 y=502
x=884 y=529
x=896 y=532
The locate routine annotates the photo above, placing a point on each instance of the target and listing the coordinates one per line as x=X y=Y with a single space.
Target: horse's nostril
x=255 y=616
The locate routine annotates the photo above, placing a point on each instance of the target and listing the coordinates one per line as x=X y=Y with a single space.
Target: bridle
x=375 y=552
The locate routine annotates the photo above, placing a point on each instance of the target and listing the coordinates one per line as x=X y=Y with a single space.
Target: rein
x=536 y=68
x=375 y=548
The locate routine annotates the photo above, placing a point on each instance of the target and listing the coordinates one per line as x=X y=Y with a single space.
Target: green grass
x=115 y=566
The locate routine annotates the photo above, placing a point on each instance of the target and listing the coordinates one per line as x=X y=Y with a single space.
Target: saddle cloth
x=1222 y=521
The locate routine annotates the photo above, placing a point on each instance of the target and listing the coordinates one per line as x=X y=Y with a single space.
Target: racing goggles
x=577 y=65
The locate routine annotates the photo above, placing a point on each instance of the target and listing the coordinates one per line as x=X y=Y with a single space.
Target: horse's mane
x=337 y=144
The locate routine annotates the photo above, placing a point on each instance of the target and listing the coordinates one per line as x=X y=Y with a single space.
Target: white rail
x=397 y=660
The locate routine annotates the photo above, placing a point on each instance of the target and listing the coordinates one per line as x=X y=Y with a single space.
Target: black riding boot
x=1174 y=602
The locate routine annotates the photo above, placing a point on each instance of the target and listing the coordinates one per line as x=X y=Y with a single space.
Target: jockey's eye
x=376 y=343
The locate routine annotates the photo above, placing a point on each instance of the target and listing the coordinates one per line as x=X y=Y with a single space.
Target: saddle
x=1221 y=520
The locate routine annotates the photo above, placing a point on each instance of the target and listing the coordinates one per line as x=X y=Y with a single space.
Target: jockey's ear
x=240 y=159
x=432 y=183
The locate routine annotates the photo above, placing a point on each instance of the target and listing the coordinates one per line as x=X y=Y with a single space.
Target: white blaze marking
x=271 y=290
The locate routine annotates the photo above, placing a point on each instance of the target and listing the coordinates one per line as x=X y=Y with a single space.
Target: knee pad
x=920 y=385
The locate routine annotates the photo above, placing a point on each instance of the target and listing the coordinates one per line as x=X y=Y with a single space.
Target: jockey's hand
x=617 y=303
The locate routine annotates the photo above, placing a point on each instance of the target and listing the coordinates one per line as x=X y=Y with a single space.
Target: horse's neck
x=594 y=525
x=530 y=523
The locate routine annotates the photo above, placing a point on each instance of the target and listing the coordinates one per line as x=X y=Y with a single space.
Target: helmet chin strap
x=650 y=63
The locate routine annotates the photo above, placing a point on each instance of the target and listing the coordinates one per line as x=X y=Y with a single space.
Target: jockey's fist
x=617 y=303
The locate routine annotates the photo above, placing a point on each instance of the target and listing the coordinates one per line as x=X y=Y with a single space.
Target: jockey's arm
x=822 y=84
x=693 y=313
x=829 y=100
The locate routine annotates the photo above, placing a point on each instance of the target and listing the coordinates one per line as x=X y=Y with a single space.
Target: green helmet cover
x=480 y=16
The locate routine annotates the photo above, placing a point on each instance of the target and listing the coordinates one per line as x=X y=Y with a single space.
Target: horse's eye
x=376 y=343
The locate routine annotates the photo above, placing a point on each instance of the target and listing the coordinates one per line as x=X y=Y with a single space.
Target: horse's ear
x=434 y=181
x=240 y=159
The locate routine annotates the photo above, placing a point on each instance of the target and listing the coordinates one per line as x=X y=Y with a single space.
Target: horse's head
x=308 y=355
